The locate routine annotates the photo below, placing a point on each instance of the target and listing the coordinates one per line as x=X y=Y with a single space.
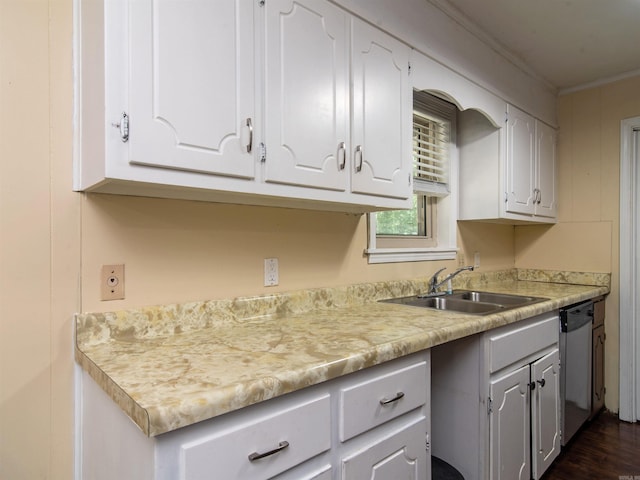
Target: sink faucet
x=434 y=284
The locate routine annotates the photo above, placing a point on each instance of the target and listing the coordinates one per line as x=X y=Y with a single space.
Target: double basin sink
x=468 y=301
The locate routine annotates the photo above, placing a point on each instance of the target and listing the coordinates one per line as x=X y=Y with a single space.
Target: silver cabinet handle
x=537 y=196
x=250 y=144
x=257 y=456
x=342 y=156
x=386 y=401
x=359 y=159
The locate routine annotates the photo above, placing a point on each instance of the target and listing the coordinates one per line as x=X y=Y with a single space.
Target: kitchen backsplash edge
x=162 y=320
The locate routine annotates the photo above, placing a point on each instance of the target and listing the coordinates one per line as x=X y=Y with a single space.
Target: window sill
x=393 y=255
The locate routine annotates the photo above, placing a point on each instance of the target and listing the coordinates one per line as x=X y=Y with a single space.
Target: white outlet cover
x=270 y=272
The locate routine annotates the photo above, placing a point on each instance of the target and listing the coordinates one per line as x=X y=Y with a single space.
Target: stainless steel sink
x=499 y=298
x=468 y=301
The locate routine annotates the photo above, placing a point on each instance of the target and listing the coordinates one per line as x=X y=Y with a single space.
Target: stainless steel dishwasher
x=575 y=371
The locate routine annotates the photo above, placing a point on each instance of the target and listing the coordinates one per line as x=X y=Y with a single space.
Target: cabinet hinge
x=506 y=197
x=261 y=3
x=489 y=405
x=123 y=126
x=428 y=443
x=409 y=70
x=263 y=152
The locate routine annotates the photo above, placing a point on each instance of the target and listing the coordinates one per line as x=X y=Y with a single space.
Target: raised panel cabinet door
x=382 y=114
x=598 y=369
x=306 y=94
x=191 y=93
x=509 y=441
x=520 y=162
x=398 y=456
x=545 y=412
x=546 y=170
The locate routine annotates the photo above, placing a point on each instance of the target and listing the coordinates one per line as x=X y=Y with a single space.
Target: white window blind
x=431 y=142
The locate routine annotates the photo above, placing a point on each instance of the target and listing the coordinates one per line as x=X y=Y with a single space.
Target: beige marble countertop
x=171 y=366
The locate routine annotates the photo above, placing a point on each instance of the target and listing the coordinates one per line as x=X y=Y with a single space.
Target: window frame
x=445 y=213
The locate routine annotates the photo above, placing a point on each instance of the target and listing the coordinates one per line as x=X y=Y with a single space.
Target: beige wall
x=39 y=241
x=587 y=236
x=53 y=242
x=176 y=251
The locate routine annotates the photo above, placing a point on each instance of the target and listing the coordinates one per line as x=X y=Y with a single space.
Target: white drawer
x=371 y=403
x=509 y=345
x=225 y=455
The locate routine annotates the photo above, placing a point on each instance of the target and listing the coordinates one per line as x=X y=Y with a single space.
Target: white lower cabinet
x=400 y=455
x=496 y=401
x=525 y=420
x=374 y=421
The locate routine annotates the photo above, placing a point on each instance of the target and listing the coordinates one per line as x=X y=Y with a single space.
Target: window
x=427 y=231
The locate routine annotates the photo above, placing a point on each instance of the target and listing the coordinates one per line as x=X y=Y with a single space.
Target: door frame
x=629 y=270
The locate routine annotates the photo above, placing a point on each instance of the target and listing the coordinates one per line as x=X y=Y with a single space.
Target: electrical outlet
x=112 y=282
x=270 y=272
x=460 y=259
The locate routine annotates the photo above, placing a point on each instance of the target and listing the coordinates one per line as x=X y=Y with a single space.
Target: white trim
x=629 y=271
x=600 y=82
x=393 y=255
x=447 y=209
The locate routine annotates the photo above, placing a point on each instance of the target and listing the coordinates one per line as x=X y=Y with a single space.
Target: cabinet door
x=382 y=114
x=400 y=455
x=545 y=412
x=546 y=170
x=306 y=94
x=598 y=369
x=520 y=162
x=509 y=441
x=191 y=97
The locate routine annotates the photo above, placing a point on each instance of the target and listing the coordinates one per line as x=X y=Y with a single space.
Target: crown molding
x=458 y=16
x=599 y=83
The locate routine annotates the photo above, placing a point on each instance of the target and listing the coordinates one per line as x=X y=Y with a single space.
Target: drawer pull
x=398 y=396
x=257 y=456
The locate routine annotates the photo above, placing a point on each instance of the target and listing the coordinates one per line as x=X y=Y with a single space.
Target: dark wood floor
x=604 y=449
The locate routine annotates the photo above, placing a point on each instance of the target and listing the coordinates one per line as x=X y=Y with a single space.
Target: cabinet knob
x=542 y=382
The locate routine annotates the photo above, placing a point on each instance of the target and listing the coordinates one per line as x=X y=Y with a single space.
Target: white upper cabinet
x=307 y=94
x=244 y=102
x=191 y=92
x=507 y=174
x=530 y=169
x=546 y=170
x=318 y=132
x=382 y=114
x=520 y=165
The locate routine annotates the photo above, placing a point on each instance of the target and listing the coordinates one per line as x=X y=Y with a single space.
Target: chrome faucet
x=434 y=284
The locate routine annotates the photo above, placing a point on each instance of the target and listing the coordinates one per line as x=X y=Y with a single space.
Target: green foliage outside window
x=399 y=222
